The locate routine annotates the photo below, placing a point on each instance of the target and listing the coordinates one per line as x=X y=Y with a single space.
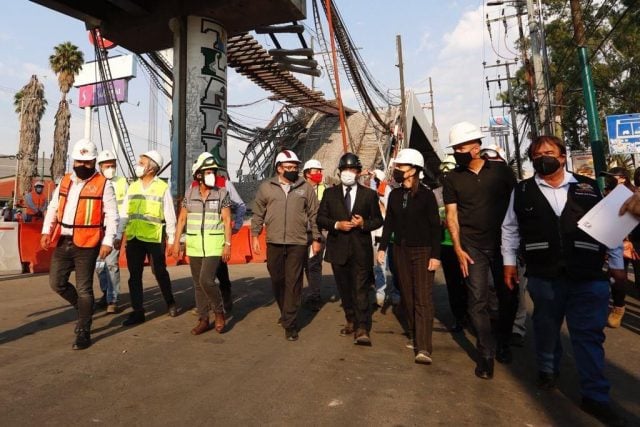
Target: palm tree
x=66 y=62
x=30 y=105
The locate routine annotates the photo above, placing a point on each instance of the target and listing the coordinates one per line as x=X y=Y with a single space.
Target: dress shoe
x=100 y=304
x=615 y=317
x=347 y=330
x=517 y=340
x=220 y=322
x=423 y=358
x=484 y=368
x=134 y=318
x=173 y=310
x=603 y=412
x=112 y=309
x=547 y=380
x=83 y=339
x=503 y=354
x=456 y=327
x=201 y=327
x=291 y=334
x=362 y=337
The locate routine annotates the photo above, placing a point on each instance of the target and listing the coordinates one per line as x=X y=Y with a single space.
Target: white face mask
x=140 y=170
x=109 y=173
x=210 y=180
x=348 y=178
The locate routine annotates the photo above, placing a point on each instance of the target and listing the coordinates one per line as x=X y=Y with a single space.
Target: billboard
x=582 y=162
x=121 y=67
x=94 y=95
x=623 y=131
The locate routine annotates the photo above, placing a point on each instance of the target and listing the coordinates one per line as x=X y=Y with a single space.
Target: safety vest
x=88 y=223
x=320 y=190
x=146 y=211
x=205 y=229
x=38 y=200
x=120 y=188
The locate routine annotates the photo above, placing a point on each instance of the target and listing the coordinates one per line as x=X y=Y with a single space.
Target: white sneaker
x=423 y=358
x=380 y=299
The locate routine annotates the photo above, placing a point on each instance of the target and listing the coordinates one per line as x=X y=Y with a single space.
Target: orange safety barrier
x=31 y=253
x=241 y=246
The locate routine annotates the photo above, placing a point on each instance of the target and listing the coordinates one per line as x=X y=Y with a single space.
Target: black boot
x=134 y=318
x=83 y=339
x=503 y=354
x=484 y=368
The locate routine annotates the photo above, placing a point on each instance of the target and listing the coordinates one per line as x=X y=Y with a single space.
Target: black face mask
x=291 y=175
x=546 y=165
x=84 y=172
x=463 y=159
x=398 y=176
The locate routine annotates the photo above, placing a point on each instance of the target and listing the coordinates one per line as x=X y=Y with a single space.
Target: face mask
x=398 y=176
x=109 y=173
x=316 y=177
x=463 y=159
x=83 y=172
x=291 y=176
x=39 y=190
x=546 y=165
x=210 y=180
x=348 y=178
x=140 y=170
x=221 y=181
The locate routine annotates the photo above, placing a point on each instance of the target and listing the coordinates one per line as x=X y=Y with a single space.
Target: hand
x=345 y=225
x=434 y=264
x=45 y=242
x=511 y=276
x=116 y=244
x=380 y=256
x=255 y=245
x=632 y=205
x=175 y=249
x=226 y=253
x=464 y=259
x=316 y=247
x=620 y=276
x=104 y=251
x=357 y=221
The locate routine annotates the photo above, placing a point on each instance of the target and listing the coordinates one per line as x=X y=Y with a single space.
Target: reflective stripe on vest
x=88 y=224
x=146 y=211
x=205 y=229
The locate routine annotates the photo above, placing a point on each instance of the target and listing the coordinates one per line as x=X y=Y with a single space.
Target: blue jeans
x=109 y=277
x=384 y=286
x=585 y=306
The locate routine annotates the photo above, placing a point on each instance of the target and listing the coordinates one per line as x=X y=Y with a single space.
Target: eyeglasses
x=290 y=168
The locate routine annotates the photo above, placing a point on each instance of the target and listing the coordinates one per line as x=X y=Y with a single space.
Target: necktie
x=347 y=200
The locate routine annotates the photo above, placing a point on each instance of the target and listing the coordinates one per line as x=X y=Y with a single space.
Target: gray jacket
x=286 y=216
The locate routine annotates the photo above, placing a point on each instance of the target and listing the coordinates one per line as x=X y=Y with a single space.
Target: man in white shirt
x=564 y=271
x=81 y=223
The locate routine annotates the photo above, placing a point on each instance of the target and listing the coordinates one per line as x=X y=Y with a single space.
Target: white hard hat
x=106 y=156
x=39 y=183
x=448 y=164
x=379 y=174
x=155 y=156
x=84 y=150
x=287 y=156
x=409 y=156
x=463 y=132
x=495 y=148
x=204 y=161
x=312 y=164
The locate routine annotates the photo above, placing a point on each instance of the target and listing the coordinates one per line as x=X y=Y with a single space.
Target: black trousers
x=354 y=284
x=222 y=273
x=456 y=287
x=416 y=292
x=137 y=251
x=66 y=258
x=285 y=263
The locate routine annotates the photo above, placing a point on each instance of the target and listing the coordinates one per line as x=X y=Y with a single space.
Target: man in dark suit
x=350 y=212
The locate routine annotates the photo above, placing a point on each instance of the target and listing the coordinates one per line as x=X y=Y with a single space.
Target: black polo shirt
x=482 y=200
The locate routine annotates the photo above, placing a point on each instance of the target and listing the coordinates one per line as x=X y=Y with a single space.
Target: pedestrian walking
x=286 y=206
x=81 y=223
x=476 y=196
x=350 y=212
x=108 y=269
x=564 y=266
x=412 y=217
x=206 y=213
x=147 y=205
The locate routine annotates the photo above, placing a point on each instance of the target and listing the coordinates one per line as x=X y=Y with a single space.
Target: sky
x=447 y=41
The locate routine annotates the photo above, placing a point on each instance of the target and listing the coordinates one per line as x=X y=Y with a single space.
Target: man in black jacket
x=350 y=212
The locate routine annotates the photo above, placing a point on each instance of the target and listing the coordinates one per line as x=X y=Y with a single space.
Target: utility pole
x=403 y=101
x=434 y=129
x=542 y=92
x=593 y=120
x=336 y=76
x=533 y=118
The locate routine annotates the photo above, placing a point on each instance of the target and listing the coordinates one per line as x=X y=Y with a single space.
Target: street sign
x=94 y=95
x=582 y=162
x=121 y=67
x=623 y=131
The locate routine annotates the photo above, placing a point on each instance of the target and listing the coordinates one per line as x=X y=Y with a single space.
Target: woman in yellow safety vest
x=206 y=213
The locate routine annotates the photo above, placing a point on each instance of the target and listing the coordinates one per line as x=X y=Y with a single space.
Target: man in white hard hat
x=36 y=202
x=108 y=269
x=312 y=172
x=147 y=205
x=286 y=206
x=81 y=222
x=494 y=153
x=476 y=196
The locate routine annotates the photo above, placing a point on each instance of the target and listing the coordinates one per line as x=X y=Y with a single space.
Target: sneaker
x=112 y=308
x=615 y=317
x=380 y=299
x=602 y=411
x=423 y=358
x=172 y=310
x=409 y=344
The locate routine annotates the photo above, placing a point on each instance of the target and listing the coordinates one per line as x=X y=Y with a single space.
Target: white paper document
x=604 y=224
